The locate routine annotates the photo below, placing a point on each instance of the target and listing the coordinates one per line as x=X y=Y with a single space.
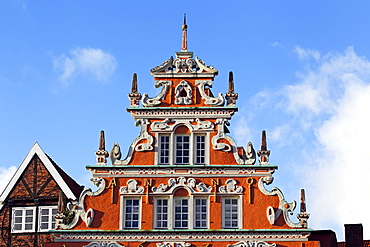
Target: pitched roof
x=69 y=186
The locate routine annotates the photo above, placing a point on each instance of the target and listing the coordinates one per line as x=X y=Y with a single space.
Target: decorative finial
x=134 y=96
x=263 y=142
x=303 y=201
x=303 y=215
x=60 y=208
x=184 y=44
x=102 y=141
x=264 y=154
x=134 y=83
x=101 y=154
x=231 y=82
x=230 y=96
x=115 y=153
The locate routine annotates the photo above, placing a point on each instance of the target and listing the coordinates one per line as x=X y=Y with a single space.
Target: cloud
x=326 y=113
x=85 y=61
x=6 y=174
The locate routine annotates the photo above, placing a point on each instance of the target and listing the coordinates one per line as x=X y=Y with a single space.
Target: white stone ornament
x=251 y=244
x=213 y=101
x=230 y=187
x=173 y=244
x=183 y=94
x=181 y=182
x=132 y=188
x=104 y=244
x=157 y=100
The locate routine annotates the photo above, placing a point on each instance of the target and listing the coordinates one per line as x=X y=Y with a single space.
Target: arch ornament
x=181 y=182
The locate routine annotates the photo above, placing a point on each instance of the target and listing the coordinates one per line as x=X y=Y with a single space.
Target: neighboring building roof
x=70 y=187
x=366 y=244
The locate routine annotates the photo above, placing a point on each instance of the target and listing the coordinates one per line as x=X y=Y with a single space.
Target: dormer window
x=182 y=148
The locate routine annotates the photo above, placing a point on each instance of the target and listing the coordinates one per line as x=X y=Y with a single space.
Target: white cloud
x=6 y=174
x=306 y=54
x=324 y=120
x=88 y=61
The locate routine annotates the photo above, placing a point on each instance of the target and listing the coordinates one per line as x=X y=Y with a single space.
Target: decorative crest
x=303 y=216
x=264 y=153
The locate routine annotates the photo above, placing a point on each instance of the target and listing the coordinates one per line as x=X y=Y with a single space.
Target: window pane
x=161 y=213
x=182 y=149
x=131 y=213
x=231 y=213
x=164 y=152
x=181 y=216
x=200 y=213
x=200 y=149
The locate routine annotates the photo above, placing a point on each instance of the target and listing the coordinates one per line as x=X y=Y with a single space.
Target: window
x=181 y=208
x=131 y=213
x=230 y=212
x=200 y=214
x=23 y=219
x=164 y=150
x=182 y=149
x=46 y=218
x=161 y=213
x=177 y=212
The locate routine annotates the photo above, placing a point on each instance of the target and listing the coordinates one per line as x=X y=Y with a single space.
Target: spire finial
x=303 y=201
x=231 y=82
x=264 y=142
x=102 y=141
x=134 y=84
x=184 y=44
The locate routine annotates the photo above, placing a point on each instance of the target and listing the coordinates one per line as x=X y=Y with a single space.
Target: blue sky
x=301 y=69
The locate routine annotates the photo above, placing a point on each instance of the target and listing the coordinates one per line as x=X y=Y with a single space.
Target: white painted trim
x=23 y=219
x=36 y=149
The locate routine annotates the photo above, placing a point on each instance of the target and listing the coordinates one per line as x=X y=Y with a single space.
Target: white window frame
x=123 y=212
x=195 y=213
x=23 y=219
x=171 y=212
x=192 y=148
x=239 y=212
x=51 y=218
x=168 y=214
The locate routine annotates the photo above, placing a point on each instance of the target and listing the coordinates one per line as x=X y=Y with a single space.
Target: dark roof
x=366 y=244
x=72 y=184
x=327 y=238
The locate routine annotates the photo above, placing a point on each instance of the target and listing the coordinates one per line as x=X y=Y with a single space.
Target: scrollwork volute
x=213 y=101
x=252 y=244
x=190 y=184
x=157 y=100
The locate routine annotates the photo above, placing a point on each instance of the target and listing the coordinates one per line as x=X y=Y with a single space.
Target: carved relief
x=284 y=206
x=251 y=244
x=190 y=184
x=183 y=94
x=230 y=187
x=157 y=100
x=164 y=125
x=132 y=188
x=173 y=244
x=214 y=101
x=78 y=207
x=185 y=64
x=146 y=146
x=104 y=244
x=227 y=147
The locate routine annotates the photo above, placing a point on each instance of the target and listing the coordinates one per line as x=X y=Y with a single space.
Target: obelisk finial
x=134 y=84
x=184 y=44
x=231 y=82
x=102 y=141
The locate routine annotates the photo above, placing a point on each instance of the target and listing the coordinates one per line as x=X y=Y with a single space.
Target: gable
x=38 y=163
x=35 y=182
